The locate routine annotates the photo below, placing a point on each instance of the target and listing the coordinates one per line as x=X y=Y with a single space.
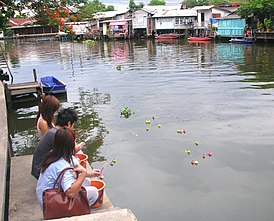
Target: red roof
x=15 y=22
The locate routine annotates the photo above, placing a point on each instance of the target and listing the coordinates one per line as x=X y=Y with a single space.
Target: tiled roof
x=15 y=22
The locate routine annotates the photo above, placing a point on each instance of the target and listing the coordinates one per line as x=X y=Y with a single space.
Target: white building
x=79 y=28
x=204 y=13
x=176 y=20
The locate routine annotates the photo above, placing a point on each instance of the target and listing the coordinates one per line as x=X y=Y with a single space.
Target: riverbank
x=4 y=153
x=17 y=199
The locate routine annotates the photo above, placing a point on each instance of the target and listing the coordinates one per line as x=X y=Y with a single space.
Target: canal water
x=217 y=95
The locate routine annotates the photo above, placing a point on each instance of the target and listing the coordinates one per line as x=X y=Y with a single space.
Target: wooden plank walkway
x=21 y=93
x=24 y=88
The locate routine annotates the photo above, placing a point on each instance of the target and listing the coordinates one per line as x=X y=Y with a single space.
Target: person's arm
x=79 y=146
x=76 y=186
x=43 y=126
x=94 y=173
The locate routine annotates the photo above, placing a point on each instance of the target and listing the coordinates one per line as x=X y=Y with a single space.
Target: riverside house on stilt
x=27 y=27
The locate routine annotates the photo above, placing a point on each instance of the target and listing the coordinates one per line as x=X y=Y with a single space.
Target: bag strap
x=60 y=177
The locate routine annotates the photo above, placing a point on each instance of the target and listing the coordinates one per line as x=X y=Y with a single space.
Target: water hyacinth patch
x=126 y=112
x=118 y=67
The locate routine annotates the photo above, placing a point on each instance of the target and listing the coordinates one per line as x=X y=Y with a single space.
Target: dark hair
x=63 y=146
x=66 y=115
x=49 y=105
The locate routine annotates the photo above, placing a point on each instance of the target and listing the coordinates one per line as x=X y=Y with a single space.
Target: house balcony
x=182 y=27
x=202 y=25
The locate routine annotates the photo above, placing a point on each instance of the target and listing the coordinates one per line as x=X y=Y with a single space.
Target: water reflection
x=89 y=122
x=22 y=123
x=207 y=89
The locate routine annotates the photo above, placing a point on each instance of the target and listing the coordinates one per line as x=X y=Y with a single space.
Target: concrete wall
x=3 y=150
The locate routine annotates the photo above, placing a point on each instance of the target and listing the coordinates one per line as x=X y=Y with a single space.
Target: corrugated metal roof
x=109 y=14
x=158 y=8
x=176 y=13
x=231 y=16
x=208 y=7
x=204 y=7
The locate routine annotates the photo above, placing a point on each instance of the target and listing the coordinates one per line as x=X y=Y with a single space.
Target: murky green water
x=220 y=93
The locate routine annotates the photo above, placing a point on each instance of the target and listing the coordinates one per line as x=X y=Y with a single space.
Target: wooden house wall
x=140 y=19
x=231 y=27
x=164 y=23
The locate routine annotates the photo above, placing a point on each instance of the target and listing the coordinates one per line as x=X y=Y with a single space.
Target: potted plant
x=260 y=26
x=268 y=24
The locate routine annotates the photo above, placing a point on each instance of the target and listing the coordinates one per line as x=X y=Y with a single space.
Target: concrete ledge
x=4 y=144
x=116 y=214
x=23 y=204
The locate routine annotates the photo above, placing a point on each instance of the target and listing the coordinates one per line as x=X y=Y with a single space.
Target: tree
x=110 y=8
x=219 y=2
x=157 y=2
x=133 y=6
x=259 y=9
x=91 y=8
x=7 y=9
x=192 y=3
x=47 y=12
x=140 y=5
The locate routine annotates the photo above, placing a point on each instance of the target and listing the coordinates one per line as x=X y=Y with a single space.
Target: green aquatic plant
x=118 y=67
x=126 y=112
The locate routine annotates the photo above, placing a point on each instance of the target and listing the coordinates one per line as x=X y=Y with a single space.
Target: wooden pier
x=22 y=93
x=266 y=36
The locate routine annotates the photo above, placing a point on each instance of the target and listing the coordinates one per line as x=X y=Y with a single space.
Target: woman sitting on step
x=45 y=117
x=61 y=157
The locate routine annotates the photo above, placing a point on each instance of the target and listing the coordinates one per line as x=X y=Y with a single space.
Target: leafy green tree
x=140 y=5
x=219 y=2
x=7 y=9
x=133 y=6
x=47 y=12
x=157 y=2
x=91 y=8
x=110 y=8
x=258 y=9
x=192 y=3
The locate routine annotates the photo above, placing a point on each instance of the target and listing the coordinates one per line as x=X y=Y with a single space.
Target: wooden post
x=34 y=74
x=8 y=96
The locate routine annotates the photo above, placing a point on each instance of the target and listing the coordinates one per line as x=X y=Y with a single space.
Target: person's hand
x=80 y=169
x=94 y=173
x=79 y=146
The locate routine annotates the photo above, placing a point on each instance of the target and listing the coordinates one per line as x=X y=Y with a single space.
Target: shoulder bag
x=56 y=204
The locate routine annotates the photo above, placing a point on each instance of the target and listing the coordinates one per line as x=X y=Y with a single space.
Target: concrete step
x=111 y=214
x=23 y=204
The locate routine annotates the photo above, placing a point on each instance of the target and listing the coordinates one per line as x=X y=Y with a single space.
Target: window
x=202 y=17
x=216 y=15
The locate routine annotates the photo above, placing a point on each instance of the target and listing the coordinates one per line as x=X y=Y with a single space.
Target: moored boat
x=166 y=36
x=242 y=40
x=52 y=85
x=197 y=38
